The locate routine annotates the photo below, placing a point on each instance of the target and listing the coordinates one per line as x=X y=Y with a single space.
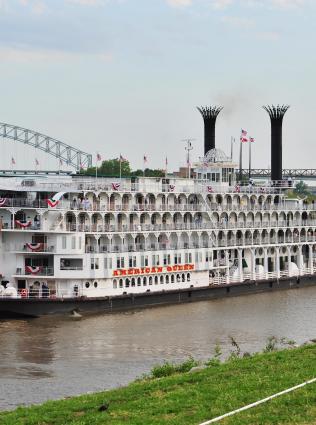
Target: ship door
x=21 y=284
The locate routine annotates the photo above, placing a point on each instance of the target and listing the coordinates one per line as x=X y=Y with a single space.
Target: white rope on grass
x=264 y=400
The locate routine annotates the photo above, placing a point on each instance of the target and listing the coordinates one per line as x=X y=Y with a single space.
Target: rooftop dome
x=216 y=155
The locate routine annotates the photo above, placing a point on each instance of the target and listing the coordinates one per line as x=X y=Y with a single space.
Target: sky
x=125 y=76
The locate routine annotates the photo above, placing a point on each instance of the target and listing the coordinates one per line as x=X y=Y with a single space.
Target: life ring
x=24 y=293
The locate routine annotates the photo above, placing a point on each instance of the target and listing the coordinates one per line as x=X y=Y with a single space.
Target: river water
x=50 y=358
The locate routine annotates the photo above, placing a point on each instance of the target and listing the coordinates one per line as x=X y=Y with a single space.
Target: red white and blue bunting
x=34 y=246
x=23 y=225
x=33 y=270
x=116 y=186
x=3 y=202
x=52 y=203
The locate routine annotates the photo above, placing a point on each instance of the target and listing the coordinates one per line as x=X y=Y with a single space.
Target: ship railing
x=31 y=248
x=35 y=271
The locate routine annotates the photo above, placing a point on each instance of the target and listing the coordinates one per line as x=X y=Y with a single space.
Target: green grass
x=191 y=398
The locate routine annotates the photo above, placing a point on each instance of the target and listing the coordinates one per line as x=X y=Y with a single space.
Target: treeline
x=115 y=167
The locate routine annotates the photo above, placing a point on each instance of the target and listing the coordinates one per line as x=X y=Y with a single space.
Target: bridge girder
x=70 y=155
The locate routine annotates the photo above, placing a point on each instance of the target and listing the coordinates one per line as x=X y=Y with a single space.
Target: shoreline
x=194 y=397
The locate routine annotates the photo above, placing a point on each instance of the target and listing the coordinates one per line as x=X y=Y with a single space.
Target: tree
x=111 y=168
x=301 y=188
x=149 y=173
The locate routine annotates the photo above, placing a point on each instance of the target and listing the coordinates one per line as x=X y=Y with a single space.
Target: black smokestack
x=209 y=114
x=276 y=114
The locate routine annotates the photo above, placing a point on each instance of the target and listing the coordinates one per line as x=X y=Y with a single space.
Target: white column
x=265 y=263
x=253 y=264
x=227 y=266
x=277 y=262
x=310 y=260
x=300 y=260
x=289 y=260
x=241 y=275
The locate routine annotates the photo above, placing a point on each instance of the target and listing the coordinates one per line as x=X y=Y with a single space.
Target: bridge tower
x=276 y=114
x=209 y=114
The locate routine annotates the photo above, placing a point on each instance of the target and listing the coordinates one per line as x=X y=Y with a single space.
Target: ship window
x=167 y=278
x=156 y=280
x=150 y=280
x=127 y=281
x=161 y=279
x=87 y=284
x=139 y=281
x=114 y=284
x=178 y=278
x=133 y=281
x=145 y=281
x=172 y=278
x=120 y=262
x=121 y=283
x=183 y=277
x=107 y=263
x=73 y=242
x=132 y=261
x=79 y=242
x=94 y=263
x=188 y=277
x=64 y=242
x=95 y=284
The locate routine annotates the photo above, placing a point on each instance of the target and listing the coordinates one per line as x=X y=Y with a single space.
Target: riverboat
x=77 y=243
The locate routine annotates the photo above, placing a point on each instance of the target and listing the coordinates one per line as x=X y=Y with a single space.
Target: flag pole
x=240 y=161
x=249 y=172
x=232 y=141
x=120 y=167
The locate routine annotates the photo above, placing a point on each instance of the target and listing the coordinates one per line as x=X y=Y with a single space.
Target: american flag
x=122 y=159
x=98 y=157
x=13 y=161
x=251 y=139
x=243 y=132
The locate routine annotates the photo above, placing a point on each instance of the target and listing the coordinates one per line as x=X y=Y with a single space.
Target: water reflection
x=54 y=357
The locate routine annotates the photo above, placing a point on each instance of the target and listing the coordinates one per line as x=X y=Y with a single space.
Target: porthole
x=87 y=284
x=95 y=284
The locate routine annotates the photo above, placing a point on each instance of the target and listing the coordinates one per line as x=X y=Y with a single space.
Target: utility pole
x=188 y=148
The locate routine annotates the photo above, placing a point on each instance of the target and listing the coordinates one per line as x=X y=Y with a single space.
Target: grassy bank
x=191 y=398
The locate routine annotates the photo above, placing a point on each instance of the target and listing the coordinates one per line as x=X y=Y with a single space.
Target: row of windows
x=73 y=243
x=151 y=280
x=156 y=260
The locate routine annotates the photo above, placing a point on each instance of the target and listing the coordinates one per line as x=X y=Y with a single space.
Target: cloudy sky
x=125 y=76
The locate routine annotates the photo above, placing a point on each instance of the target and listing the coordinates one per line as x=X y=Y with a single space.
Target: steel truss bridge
x=71 y=156
x=295 y=173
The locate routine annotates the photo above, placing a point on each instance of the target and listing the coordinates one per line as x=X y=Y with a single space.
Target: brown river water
x=51 y=358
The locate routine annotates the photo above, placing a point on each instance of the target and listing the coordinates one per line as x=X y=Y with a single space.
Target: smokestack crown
x=276 y=112
x=209 y=112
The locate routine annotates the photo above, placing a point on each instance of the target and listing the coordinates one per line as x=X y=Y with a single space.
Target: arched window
x=188 y=277
x=167 y=278
x=145 y=281
x=178 y=277
x=114 y=283
x=133 y=281
x=150 y=280
x=172 y=278
x=121 y=283
x=161 y=279
x=183 y=277
x=127 y=282
x=156 y=280
x=139 y=281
